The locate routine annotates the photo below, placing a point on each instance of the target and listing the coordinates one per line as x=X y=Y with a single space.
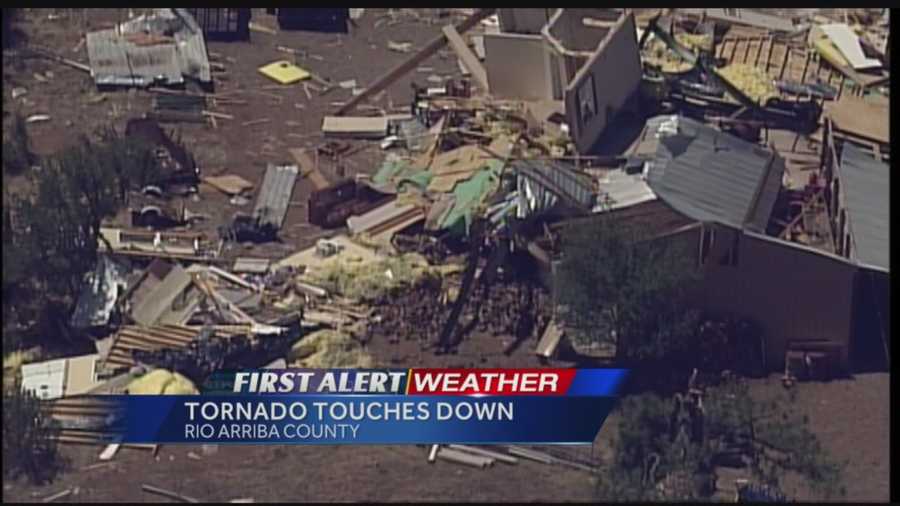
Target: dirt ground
x=850 y=416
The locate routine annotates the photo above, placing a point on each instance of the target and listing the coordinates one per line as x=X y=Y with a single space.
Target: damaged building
x=583 y=63
x=718 y=192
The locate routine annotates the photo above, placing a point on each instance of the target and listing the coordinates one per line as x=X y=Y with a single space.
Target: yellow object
x=326 y=349
x=831 y=53
x=162 y=382
x=284 y=72
x=753 y=81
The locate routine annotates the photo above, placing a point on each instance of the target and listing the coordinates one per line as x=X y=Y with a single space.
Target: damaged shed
x=162 y=48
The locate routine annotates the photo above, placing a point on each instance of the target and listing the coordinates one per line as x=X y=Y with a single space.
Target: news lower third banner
x=384 y=406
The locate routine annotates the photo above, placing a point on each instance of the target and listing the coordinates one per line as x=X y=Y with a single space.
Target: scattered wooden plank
x=256 y=122
x=369 y=127
x=485 y=453
x=530 y=454
x=167 y=493
x=464 y=458
x=109 y=452
x=212 y=114
x=468 y=58
x=309 y=168
x=60 y=59
x=256 y=27
x=58 y=495
x=432 y=454
x=401 y=69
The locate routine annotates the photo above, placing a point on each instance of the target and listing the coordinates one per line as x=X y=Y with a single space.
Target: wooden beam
x=784 y=62
x=405 y=67
x=769 y=54
x=806 y=66
x=167 y=493
x=758 y=53
x=468 y=58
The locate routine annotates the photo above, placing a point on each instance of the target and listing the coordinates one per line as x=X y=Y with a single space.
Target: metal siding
x=114 y=60
x=866 y=190
x=275 y=194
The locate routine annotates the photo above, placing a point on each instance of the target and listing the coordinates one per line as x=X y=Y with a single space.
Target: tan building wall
x=792 y=292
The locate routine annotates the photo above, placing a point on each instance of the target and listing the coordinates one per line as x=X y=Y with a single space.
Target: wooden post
x=400 y=70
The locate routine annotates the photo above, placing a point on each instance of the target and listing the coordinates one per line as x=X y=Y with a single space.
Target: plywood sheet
x=861 y=118
x=229 y=184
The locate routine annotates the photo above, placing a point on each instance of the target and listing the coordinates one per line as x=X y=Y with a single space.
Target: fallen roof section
x=151 y=308
x=866 y=188
x=709 y=175
x=275 y=194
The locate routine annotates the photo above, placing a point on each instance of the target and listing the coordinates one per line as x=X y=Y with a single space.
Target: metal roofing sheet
x=275 y=194
x=115 y=60
x=865 y=183
x=709 y=175
x=561 y=180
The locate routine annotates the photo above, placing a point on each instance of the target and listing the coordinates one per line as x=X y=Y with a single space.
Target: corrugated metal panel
x=115 y=60
x=866 y=187
x=47 y=380
x=561 y=180
x=712 y=176
x=275 y=194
